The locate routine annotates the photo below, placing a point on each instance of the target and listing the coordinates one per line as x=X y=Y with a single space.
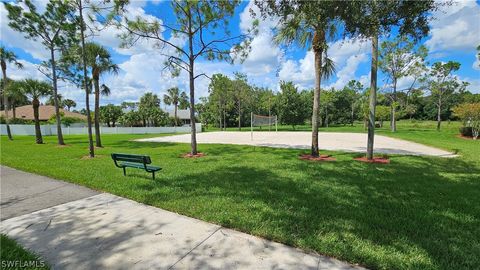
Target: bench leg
x=153 y=175
x=124 y=172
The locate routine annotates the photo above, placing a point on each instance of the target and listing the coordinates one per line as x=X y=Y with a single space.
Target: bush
x=65 y=120
x=16 y=121
x=466 y=131
x=469 y=113
x=68 y=121
x=20 y=121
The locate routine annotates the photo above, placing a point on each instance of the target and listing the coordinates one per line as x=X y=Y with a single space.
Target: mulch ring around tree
x=381 y=160
x=89 y=157
x=62 y=145
x=465 y=137
x=189 y=155
x=319 y=158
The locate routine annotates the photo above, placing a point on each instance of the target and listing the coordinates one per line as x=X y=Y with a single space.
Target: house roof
x=181 y=114
x=45 y=113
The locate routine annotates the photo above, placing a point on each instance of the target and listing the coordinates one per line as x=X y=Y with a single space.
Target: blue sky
x=454 y=36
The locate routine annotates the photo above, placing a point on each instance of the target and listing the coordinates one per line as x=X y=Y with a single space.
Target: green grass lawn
x=415 y=213
x=14 y=256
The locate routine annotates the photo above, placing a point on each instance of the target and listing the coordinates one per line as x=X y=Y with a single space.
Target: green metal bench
x=134 y=161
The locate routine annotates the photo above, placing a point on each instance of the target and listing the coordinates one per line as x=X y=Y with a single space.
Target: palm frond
x=328 y=68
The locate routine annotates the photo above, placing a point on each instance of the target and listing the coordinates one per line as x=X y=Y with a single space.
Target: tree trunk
x=353 y=115
x=373 y=97
x=55 y=98
x=14 y=111
x=38 y=131
x=393 y=126
x=318 y=43
x=192 y=111
x=176 y=105
x=439 y=115
x=220 y=120
x=192 y=86
x=96 y=113
x=239 y=115
x=85 y=84
x=224 y=119
x=326 y=117
x=5 y=99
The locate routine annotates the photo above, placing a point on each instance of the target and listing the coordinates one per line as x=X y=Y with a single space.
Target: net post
x=276 y=122
x=251 y=126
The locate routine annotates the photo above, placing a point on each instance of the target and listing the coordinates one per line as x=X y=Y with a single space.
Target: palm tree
x=69 y=104
x=51 y=100
x=175 y=98
x=306 y=28
x=99 y=60
x=148 y=102
x=7 y=57
x=35 y=90
x=16 y=97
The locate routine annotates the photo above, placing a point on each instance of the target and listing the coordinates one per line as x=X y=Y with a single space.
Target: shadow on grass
x=396 y=216
x=415 y=213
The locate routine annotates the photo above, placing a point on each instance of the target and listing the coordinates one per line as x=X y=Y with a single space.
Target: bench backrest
x=132 y=158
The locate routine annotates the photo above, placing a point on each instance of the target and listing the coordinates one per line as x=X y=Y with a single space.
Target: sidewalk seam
x=199 y=244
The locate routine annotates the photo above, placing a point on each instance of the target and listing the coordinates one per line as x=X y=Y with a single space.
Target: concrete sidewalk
x=22 y=193
x=109 y=232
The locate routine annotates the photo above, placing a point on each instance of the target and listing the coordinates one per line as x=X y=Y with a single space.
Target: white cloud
x=347 y=55
x=476 y=63
x=16 y=39
x=455 y=27
x=301 y=72
x=265 y=56
x=145 y=72
x=109 y=36
x=29 y=70
x=474 y=84
x=347 y=73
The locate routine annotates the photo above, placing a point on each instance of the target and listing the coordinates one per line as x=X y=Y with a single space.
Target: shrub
x=469 y=113
x=20 y=121
x=66 y=120
x=466 y=131
x=16 y=121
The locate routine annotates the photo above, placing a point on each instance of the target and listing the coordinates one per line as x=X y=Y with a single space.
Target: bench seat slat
x=139 y=166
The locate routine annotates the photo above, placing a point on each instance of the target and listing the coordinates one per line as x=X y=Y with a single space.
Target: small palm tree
x=16 y=97
x=7 y=57
x=175 y=98
x=69 y=104
x=51 y=101
x=99 y=60
x=34 y=90
x=309 y=24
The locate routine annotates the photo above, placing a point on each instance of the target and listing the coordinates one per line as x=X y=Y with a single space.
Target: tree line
x=146 y=112
x=231 y=100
